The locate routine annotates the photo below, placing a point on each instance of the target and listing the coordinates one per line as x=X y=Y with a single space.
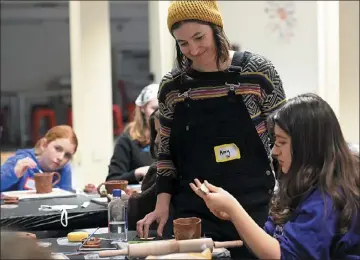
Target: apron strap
x=238 y=63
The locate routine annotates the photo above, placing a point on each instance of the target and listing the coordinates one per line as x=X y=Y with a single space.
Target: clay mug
x=115 y=184
x=44 y=181
x=187 y=228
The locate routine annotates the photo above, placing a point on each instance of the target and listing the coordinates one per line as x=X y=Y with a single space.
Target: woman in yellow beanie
x=213 y=109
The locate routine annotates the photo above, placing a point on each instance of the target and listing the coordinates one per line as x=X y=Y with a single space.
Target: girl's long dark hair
x=321 y=159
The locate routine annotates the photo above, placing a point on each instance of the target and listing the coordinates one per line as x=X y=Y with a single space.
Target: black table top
x=28 y=217
x=66 y=249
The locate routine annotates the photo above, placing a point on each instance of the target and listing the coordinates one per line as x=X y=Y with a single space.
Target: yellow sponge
x=77 y=236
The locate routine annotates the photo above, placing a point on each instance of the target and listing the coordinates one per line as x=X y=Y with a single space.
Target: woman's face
x=196 y=42
x=282 y=149
x=56 y=154
x=150 y=107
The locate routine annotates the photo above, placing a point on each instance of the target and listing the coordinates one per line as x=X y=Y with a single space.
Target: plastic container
x=117 y=217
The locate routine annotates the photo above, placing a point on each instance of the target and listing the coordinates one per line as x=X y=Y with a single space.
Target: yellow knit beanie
x=207 y=11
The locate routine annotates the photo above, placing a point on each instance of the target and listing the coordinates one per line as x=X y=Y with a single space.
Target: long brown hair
x=321 y=159
x=56 y=132
x=138 y=129
x=222 y=46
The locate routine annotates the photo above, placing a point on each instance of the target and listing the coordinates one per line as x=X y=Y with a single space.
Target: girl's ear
x=43 y=143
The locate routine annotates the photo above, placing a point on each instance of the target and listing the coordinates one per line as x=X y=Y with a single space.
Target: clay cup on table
x=44 y=181
x=187 y=228
x=110 y=185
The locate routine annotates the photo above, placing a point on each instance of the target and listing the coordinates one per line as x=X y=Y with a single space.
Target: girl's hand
x=141 y=172
x=22 y=165
x=90 y=188
x=220 y=202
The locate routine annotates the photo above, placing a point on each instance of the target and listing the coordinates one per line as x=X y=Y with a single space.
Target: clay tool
x=87 y=239
x=204 y=189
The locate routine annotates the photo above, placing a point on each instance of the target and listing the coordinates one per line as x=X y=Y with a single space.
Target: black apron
x=199 y=126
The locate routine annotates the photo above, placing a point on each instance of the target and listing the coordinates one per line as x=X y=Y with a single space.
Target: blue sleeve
x=66 y=178
x=310 y=234
x=269 y=226
x=8 y=176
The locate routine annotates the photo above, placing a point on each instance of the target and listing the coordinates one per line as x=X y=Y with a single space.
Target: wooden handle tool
x=228 y=244
x=165 y=247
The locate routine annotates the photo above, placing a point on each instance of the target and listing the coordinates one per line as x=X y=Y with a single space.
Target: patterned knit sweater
x=259 y=104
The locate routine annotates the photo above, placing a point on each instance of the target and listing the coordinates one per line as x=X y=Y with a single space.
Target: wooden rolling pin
x=164 y=247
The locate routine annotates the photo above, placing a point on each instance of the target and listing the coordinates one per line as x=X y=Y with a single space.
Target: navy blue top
x=10 y=182
x=313 y=234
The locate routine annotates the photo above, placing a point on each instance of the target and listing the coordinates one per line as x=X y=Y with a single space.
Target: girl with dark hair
x=315 y=212
x=213 y=109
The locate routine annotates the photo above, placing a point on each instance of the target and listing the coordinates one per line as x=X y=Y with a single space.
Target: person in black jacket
x=131 y=159
x=142 y=203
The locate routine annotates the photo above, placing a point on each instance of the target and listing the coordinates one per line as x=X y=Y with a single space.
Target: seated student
x=315 y=213
x=142 y=203
x=131 y=159
x=52 y=153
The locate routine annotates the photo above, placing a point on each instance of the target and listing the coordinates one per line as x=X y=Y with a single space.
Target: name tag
x=29 y=184
x=226 y=152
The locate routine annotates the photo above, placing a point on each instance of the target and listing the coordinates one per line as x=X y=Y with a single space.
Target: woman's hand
x=90 y=188
x=22 y=165
x=160 y=216
x=220 y=202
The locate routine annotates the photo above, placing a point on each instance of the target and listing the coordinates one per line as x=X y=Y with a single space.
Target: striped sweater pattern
x=258 y=103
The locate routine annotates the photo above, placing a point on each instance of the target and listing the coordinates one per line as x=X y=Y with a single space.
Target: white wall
x=91 y=84
x=299 y=60
x=247 y=24
x=349 y=69
x=161 y=58
x=35 y=42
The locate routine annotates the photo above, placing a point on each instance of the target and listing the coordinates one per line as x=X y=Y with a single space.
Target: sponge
x=77 y=236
